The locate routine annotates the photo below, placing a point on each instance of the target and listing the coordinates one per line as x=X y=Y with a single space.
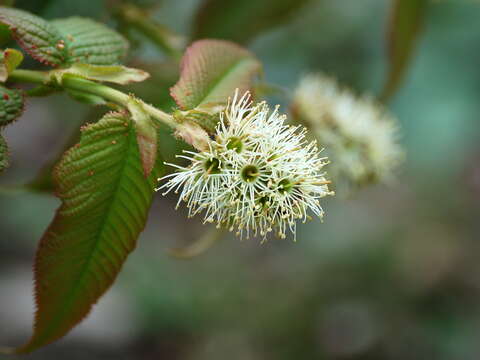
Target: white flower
x=258 y=175
x=359 y=134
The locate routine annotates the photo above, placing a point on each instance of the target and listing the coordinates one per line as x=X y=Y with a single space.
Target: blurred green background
x=392 y=273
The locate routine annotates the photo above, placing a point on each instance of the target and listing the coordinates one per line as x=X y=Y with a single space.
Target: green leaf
x=113 y=73
x=65 y=41
x=90 y=42
x=240 y=21
x=5 y=35
x=10 y=59
x=105 y=202
x=35 y=35
x=4 y=158
x=146 y=135
x=211 y=70
x=11 y=105
x=404 y=27
x=85 y=98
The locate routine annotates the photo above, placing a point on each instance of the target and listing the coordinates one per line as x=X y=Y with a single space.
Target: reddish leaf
x=105 y=202
x=210 y=72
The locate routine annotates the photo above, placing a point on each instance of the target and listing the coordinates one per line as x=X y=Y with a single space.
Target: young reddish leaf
x=90 y=42
x=210 y=72
x=240 y=21
x=10 y=59
x=105 y=202
x=35 y=35
x=11 y=105
x=4 y=160
x=406 y=21
x=146 y=136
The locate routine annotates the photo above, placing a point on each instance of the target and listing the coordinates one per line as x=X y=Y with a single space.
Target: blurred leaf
x=5 y=35
x=42 y=90
x=105 y=201
x=35 y=35
x=90 y=42
x=4 y=159
x=405 y=24
x=11 y=105
x=242 y=20
x=146 y=136
x=210 y=72
x=85 y=98
x=10 y=59
x=116 y=74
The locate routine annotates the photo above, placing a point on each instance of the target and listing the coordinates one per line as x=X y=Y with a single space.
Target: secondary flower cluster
x=359 y=134
x=258 y=176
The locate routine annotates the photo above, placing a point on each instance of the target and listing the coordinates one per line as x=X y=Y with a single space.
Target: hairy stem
x=90 y=87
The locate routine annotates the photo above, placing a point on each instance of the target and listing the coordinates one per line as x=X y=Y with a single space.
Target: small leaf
x=405 y=24
x=146 y=136
x=105 y=202
x=210 y=72
x=10 y=59
x=11 y=105
x=206 y=116
x=114 y=73
x=193 y=134
x=240 y=21
x=35 y=35
x=4 y=157
x=90 y=42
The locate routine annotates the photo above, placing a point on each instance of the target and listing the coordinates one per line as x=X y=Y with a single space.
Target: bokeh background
x=392 y=273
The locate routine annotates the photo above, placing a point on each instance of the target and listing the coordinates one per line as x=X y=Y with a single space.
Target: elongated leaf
x=240 y=21
x=4 y=159
x=11 y=105
x=35 y=35
x=405 y=23
x=211 y=70
x=105 y=201
x=146 y=136
x=90 y=42
x=109 y=73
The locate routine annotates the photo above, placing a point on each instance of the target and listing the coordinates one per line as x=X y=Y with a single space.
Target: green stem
x=33 y=76
x=87 y=86
x=169 y=42
x=90 y=87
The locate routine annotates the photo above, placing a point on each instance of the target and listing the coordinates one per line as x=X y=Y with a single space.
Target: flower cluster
x=258 y=176
x=359 y=134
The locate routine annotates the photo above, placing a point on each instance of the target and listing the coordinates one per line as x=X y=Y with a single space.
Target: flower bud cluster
x=258 y=175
